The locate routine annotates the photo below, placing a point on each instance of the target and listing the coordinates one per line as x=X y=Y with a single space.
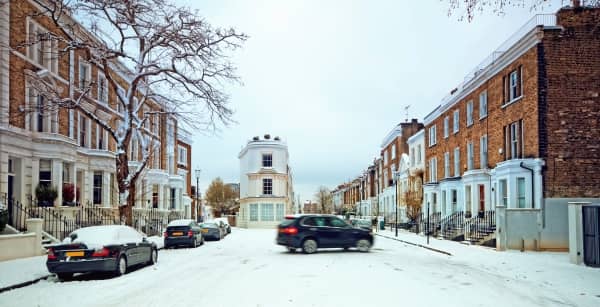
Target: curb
x=24 y=284
x=417 y=244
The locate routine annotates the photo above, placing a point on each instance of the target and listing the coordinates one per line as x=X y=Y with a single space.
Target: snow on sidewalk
x=17 y=271
x=548 y=269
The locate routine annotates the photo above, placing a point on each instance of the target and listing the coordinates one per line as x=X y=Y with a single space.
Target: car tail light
x=190 y=233
x=104 y=252
x=289 y=230
x=166 y=234
x=51 y=255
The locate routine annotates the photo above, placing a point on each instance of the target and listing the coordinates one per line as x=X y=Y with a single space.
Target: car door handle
x=313 y=229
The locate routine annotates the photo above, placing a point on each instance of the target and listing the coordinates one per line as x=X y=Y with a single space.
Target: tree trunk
x=125 y=188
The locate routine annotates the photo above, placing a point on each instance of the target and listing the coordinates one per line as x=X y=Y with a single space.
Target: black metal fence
x=58 y=225
x=453 y=225
x=479 y=228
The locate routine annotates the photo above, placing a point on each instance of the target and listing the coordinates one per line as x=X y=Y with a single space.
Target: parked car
x=211 y=230
x=183 y=232
x=310 y=232
x=362 y=223
x=112 y=248
x=226 y=222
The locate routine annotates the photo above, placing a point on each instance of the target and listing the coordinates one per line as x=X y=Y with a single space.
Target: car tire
x=64 y=276
x=201 y=240
x=309 y=246
x=121 y=266
x=363 y=245
x=153 y=256
x=194 y=243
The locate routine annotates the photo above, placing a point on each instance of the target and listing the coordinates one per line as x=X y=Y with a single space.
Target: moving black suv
x=313 y=231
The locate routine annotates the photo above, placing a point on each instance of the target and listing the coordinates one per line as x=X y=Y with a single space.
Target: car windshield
x=98 y=236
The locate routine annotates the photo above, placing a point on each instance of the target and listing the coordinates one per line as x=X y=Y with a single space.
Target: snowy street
x=248 y=269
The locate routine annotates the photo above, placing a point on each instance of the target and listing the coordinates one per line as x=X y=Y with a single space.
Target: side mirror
x=144 y=239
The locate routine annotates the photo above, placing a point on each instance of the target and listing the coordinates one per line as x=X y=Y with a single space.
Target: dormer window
x=267 y=160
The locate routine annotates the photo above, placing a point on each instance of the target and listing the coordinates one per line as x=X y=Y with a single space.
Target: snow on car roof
x=184 y=222
x=98 y=236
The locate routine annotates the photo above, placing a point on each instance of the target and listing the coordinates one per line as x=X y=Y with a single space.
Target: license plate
x=204 y=230
x=74 y=254
x=178 y=233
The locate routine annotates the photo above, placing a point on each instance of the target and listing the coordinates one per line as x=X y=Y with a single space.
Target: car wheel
x=202 y=240
x=153 y=256
x=309 y=246
x=363 y=245
x=64 y=276
x=194 y=243
x=121 y=266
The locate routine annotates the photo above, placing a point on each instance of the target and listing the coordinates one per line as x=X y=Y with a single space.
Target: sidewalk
x=22 y=272
x=19 y=272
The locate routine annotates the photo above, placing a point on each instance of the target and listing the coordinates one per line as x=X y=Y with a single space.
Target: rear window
x=286 y=223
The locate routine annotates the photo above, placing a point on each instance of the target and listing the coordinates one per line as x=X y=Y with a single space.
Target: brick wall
x=570 y=90
x=499 y=116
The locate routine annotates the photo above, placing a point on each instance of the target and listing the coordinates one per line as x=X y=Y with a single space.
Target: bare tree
x=413 y=196
x=220 y=196
x=324 y=199
x=469 y=8
x=173 y=61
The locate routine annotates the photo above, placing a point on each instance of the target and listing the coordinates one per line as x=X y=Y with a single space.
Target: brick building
x=521 y=131
x=61 y=147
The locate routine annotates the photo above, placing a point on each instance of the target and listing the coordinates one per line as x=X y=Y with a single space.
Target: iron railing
x=479 y=228
x=453 y=225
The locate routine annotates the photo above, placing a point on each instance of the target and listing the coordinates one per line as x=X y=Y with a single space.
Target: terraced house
x=64 y=149
x=519 y=137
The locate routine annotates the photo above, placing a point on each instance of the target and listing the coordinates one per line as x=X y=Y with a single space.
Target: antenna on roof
x=406 y=112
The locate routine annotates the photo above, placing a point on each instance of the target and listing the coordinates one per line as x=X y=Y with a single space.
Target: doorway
x=481 y=198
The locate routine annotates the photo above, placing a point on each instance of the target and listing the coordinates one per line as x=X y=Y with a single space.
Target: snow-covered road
x=248 y=269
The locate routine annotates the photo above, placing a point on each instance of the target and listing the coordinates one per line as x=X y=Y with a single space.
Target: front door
x=481 y=198
x=10 y=198
x=591 y=235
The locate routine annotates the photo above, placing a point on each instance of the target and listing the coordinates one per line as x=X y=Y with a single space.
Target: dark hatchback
x=112 y=248
x=310 y=232
x=211 y=230
x=183 y=232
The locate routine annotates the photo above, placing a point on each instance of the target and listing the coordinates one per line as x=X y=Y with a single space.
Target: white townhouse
x=266 y=190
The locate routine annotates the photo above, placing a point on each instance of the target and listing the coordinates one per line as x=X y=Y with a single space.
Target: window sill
x=511 y=102
x=469 y=124
x=483 y=117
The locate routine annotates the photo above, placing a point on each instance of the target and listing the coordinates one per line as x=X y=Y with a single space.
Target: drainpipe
x=522 y=165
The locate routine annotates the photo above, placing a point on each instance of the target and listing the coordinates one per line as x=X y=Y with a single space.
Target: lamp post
x=198 y=204
x=396 y=204
x=428 y=222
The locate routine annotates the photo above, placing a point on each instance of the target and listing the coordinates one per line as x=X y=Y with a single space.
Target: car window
x=335 y=222
x=309 y=221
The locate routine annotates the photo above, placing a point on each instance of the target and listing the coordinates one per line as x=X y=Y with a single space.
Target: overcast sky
x=332 y=78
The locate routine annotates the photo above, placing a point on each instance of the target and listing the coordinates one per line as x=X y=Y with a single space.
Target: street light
x=396 y=209
x=197 y=171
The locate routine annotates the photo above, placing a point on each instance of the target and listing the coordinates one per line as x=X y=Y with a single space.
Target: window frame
x=267 y=186
x=470 y=156
x=97 y=189
x=456 y=121
x=483 y=151
x=469 y=113
x=267 y=157
x=446 y=126
x=432 y=135
x=457 y=162
x=483 y=105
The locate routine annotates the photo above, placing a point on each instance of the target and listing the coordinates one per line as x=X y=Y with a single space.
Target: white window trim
x=457 y=170
x=88 y=77
x=446 y=164
x=181 y=158
x=483 y=151
x=456 y=121
x=432 y=136
x=484 y=96
x=469 y=113
x=104 y=98
x=50 y=47
x=446 y=127
x=470 y=156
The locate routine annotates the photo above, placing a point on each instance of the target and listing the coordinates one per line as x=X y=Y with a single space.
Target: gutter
x=522 y=165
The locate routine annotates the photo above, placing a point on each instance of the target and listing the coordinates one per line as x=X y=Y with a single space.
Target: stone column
x=161 y=195
x=576 y=231
x=35 y=175
x=3 y=170
x=86 y=189
x=105 y=189
x=501 y=231
x=57 y=169
x=35 y=226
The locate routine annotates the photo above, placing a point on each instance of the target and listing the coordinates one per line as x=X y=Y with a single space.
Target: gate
x=591 y=235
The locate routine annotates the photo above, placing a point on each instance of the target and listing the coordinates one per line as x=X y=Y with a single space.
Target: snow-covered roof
x=184 y=222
